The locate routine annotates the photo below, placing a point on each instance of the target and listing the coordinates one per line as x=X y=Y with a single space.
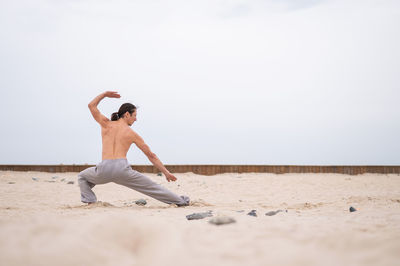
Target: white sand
x=43 y=223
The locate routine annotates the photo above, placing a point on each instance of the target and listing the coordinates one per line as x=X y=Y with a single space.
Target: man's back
x=116 y=139
x=117 y=136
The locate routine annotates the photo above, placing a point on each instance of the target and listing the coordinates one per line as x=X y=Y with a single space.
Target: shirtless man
x=117 y=137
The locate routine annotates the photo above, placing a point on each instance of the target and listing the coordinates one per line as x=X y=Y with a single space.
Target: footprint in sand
x=199 y=203
x=90 y=206
x=99 y=204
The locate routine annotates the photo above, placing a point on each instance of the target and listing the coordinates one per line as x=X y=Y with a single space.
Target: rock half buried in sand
x=70 y=182
x=199 y=215
x=141 y=202
x=35 y=179
x=352 y=209
x=222 y=220
x=252 y=213
x=272 y=213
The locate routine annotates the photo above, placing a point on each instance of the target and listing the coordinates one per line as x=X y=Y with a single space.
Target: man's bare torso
x=117 y=139
x=117 y=136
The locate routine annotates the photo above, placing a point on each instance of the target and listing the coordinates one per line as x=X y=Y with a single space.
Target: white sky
x=217 y=82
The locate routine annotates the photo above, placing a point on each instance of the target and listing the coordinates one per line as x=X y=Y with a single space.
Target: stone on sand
x=199 y=215
x=271 y=213
x=253 y=213
x=220 y=220
x=141 y=202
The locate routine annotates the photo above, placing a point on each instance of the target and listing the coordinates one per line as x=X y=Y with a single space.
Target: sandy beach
x=43 y=222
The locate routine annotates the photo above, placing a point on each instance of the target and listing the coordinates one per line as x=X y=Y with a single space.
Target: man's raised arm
x=100 y=118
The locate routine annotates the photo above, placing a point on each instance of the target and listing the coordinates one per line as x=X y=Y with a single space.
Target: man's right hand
x=112 y=94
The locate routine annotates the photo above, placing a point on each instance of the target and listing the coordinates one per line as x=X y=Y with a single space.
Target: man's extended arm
x=101 y=119
x=152 y=157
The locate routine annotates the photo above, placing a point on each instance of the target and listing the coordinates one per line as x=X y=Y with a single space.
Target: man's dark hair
x=126 y=107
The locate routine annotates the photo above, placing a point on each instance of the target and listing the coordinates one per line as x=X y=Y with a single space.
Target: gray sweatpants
x=120 y=172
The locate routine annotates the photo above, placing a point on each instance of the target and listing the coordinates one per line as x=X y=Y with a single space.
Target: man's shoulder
x=131 y=132
x=106 y=124
x=134 y=136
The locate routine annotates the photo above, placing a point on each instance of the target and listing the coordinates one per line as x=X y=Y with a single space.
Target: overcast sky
x=217 y=82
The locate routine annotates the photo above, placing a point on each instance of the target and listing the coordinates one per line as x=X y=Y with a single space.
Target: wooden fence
x=218 y=169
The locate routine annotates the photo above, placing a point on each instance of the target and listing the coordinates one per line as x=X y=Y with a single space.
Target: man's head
x=126 y=112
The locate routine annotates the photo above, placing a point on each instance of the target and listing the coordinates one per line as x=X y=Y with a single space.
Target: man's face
x=132 y=118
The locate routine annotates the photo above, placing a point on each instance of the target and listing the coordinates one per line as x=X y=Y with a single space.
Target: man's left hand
x=170 y=177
